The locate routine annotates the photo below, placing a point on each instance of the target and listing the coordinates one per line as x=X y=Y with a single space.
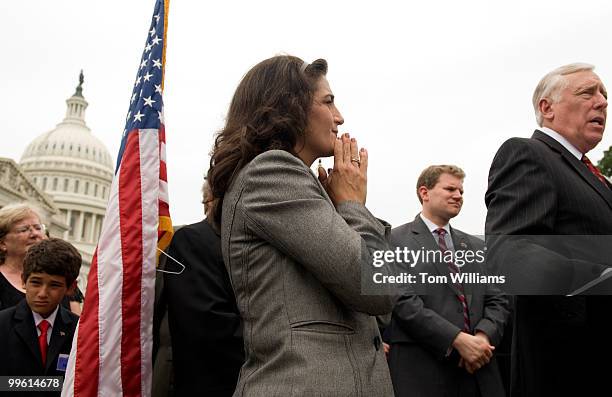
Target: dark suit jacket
x=424 y=324
x=548 y=228
x=205 y=325
x=19 y=351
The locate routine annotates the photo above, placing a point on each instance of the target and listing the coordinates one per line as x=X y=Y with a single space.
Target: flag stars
x=155 y=40
x=148 y=101
x=152 y=32
x=148 y=47
x=138 y=116
x=156 y=18
x=147 y=76
x=143 y=64
x=158 y=88
x=137 y=81
x=133 y=98
x=157 y=63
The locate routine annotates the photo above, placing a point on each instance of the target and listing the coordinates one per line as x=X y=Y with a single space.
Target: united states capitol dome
x=74 y=167
x=71 y=141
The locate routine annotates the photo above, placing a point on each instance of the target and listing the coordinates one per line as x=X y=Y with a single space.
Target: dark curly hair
x=55 y=257
x=269 y=111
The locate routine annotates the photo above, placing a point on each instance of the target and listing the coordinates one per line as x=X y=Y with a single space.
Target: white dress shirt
x=561 y=139
x=433 y=227
x=51 y=320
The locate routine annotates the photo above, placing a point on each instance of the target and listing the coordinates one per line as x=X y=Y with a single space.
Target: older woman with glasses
x=20 y=227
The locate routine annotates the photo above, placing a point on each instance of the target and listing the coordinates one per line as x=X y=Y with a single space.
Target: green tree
x=605 y=164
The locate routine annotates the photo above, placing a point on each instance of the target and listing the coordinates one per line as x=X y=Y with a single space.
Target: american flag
x=112 y=347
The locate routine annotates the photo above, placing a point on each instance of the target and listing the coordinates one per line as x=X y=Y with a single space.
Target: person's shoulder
x=68 y=316
x=517 y=142
x=474 y=241
x=518 y=149
x=275 y=171
x=275 y=157
x=399 y=233
x=6 y=315
x=402 y=228
x=191 y=228
x=198 y=230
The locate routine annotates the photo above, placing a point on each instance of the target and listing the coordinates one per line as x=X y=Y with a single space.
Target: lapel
x=462 y=243
x=59 y=333
x=26 y=330
x=577 y=165
x=420 y=232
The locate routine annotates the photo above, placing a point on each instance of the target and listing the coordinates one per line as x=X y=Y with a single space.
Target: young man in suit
x=548 y=228
x=36 y=334
x=443 y=334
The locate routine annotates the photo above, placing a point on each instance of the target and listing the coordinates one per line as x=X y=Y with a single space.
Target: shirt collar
x=564 y=142
x=51 y=319
x=432 y=226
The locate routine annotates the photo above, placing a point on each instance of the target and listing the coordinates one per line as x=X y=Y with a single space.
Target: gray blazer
x=295 y=263
x=426 y=319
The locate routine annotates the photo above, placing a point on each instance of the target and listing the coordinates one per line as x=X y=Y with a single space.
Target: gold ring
x=356 y=160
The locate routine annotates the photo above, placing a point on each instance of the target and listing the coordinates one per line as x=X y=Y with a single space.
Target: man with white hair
x=548 y=228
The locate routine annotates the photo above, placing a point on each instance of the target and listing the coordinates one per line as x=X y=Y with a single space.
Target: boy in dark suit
x=36 y=334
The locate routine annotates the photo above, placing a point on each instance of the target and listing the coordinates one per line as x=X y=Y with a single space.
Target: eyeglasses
x=37 y=227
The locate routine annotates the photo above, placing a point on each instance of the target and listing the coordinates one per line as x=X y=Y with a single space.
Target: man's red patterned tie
x=454 y=269
x=594 y=170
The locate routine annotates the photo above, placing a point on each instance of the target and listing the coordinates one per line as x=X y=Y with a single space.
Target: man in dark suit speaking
x=443 y=334
x=548 y=230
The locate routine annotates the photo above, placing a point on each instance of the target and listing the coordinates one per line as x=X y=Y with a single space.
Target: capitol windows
x=44 y=183
x=86 y=188
x=98 y=228
x=76 y=186
x=73 y=222
x=85 y=226
x=65 y=184
x=103 y=192
x=54 y=184
x=95 y=190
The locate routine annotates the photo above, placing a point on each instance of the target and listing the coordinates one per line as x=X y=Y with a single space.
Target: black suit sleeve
x=495 y=316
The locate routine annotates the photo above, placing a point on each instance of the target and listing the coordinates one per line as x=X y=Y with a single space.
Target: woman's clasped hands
x=347 y=181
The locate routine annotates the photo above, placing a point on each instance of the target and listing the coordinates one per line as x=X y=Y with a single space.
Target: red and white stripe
x=112 y=348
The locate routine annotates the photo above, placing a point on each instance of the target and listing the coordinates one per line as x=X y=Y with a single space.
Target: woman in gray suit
x=296 y=246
